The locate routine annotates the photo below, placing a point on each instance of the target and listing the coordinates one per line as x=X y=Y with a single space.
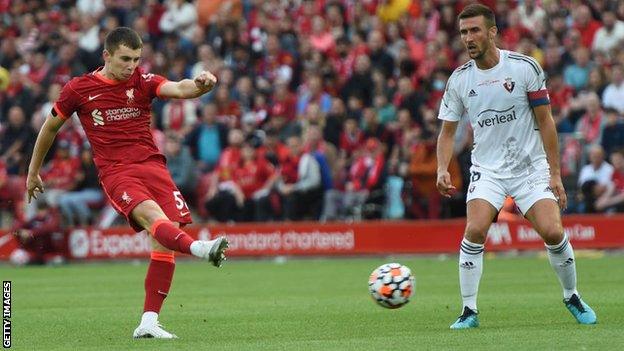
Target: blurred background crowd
x=325 y=110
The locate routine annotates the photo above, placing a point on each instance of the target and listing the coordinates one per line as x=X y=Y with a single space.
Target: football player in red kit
x=113 y=105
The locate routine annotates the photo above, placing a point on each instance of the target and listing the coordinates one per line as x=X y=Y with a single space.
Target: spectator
x=179 y=115
x=597 y=81
x=379 y=57
x=180 y=17
x=373 y=129
x=207 y=139
x=40 y=238
x=283 y=101
x=577 y=74
x=208 y=61
x=586 y=25
x=591 y=123
x=360 y=84
x=351 y=138
x=313 y=93
x=302 y=194
x=594 y=178
x=216 y=185
x=254 y=179
x=514 y=31
x=228 y=110
x=76 y=204
x=532 y=15
x=613 y=95
x=613 y=132
x=12 y=189
x=73 y=60
x=364 y=184
x=321 y=39
x=60 y=176
x=407 y=97
x=16 y=141
x=427 y=201
x=334 y=121
x=613 y=197
x=181 y=165
x=385 y=110
x=560 y=93
x=610 y=35
x=275 y=65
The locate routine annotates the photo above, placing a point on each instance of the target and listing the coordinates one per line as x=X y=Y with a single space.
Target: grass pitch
x=313 y=305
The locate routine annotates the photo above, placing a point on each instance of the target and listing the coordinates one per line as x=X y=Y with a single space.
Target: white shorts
x=525 y=190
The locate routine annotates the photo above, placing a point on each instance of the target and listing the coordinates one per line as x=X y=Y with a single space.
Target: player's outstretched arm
x=45 y=138
x=548 y=131
x=189 y=88
x=446 y=139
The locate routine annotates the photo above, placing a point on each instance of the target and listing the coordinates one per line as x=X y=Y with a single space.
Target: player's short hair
x=476 y=10
x=122 y=36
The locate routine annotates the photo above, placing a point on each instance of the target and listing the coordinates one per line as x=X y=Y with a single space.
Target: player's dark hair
x=476 y=10
x=122 y=36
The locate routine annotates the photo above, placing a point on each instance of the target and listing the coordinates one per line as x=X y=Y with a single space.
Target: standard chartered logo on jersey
x=98 y=120
x=492 y=117
x=114 y=114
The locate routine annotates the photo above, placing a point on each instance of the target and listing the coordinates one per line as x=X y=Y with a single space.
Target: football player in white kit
x=515 y=153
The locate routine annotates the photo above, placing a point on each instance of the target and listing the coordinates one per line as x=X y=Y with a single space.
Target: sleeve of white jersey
x=451 y=107
x=536 y=79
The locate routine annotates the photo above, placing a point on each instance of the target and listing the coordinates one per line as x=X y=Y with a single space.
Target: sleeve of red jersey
x=153 y=83
x=67 y=102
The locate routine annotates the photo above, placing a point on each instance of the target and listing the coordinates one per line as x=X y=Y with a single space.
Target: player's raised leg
x=150 y=216
x=480 y=214
x=546 y=220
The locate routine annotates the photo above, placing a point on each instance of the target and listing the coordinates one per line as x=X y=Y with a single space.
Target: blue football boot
x=467 y=320
x=580 y=310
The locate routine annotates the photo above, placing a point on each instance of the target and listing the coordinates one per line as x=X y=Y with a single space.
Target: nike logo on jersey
x=184 y=213
x=94 y=96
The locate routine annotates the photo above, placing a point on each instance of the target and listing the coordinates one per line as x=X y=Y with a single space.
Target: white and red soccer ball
x=391 y=285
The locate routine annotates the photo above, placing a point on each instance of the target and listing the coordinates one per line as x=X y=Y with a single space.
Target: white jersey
x=507 y=141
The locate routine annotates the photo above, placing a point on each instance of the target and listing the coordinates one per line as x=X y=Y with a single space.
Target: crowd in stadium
x=324 y=110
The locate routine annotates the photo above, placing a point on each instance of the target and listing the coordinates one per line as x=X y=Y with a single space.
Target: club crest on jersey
x=126 y=198
x=509 y=84
x=130 y=95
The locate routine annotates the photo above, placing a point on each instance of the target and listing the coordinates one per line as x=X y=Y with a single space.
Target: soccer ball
x=391 y=285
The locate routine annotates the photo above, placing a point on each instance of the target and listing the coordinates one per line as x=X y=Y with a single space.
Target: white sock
x=149 y=318
x=196 y=248
x=470 y=269
x=561 y=257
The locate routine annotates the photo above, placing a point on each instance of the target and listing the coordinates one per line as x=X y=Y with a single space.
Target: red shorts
x=126 y=186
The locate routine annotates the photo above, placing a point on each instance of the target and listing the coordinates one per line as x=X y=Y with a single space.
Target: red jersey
x=366 y=171
x=252 y=176
x=618 y=181
x=350 y=143
x=115 y=115
x=61 y=173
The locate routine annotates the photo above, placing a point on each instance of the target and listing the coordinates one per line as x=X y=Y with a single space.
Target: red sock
x=171 y=237
x=158 y=280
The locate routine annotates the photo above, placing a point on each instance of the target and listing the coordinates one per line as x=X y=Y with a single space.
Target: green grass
x=312 y=305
